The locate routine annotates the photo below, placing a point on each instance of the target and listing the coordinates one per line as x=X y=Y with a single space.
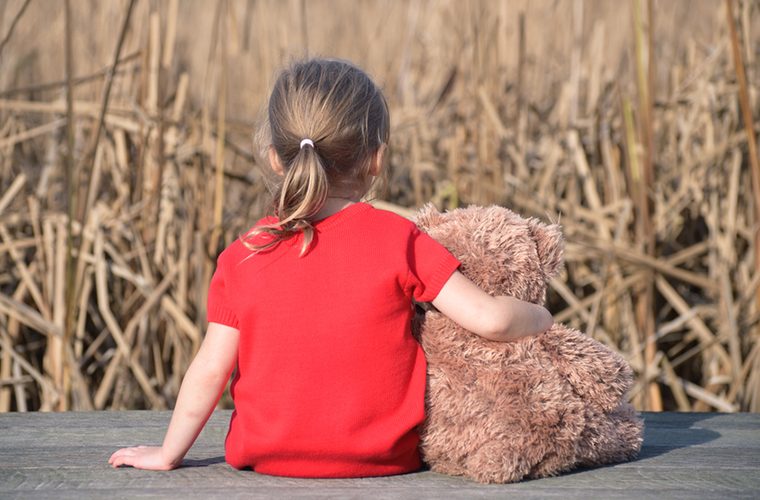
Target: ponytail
x=301 y=195
x=341 y=119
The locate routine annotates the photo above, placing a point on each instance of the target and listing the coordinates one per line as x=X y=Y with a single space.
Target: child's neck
x=333 y=205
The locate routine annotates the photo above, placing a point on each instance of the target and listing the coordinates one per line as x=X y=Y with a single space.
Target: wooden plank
x=64 y=455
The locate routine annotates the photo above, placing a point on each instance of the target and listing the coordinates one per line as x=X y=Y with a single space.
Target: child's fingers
x=121 y=457
x=119 y=452
x=139 y=457
x=117 y=458
x=114 y=455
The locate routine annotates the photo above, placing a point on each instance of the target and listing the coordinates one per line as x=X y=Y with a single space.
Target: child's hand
x=142 y=457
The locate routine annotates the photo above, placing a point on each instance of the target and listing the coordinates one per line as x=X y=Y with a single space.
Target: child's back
x=330 y=381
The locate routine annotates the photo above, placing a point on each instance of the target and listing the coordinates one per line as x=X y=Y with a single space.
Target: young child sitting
x=313 y=305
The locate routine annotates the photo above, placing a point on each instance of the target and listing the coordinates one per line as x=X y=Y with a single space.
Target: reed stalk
x=650 y=170
x=749 y=129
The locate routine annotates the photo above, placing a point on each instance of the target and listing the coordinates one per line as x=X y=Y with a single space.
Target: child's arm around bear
x=498 y=318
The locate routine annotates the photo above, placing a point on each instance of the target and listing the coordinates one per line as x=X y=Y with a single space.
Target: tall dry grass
x=126 y=164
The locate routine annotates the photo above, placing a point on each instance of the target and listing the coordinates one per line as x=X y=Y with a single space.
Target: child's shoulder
x=236 y=250
x=231 y=252
x=385 y=228
x=391 y=220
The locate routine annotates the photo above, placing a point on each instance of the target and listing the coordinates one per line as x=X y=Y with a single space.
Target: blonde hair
x=343 y=113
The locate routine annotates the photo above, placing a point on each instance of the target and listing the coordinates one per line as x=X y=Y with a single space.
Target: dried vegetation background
x=126 y=165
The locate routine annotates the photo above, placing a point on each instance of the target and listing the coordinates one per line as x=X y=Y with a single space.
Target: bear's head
x=525 y=253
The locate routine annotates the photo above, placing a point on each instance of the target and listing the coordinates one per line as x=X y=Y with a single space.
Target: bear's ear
x=550 y=246
x=427 y=217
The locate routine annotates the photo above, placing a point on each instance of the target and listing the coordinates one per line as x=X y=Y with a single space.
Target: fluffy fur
x=499 y=412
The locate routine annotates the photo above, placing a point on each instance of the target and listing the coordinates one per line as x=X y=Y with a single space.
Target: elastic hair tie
x=307 y=141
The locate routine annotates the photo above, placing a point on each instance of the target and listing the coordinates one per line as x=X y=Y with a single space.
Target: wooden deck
x=63 y=455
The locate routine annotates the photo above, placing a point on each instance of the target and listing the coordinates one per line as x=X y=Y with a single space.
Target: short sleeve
x=218 y=307
x=430 y=266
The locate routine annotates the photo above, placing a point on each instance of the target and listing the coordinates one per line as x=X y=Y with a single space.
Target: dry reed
x=120 y=182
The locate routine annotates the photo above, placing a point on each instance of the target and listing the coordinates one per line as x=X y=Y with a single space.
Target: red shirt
x=329 y=380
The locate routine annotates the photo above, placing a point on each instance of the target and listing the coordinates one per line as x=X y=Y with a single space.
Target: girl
x=314 y=304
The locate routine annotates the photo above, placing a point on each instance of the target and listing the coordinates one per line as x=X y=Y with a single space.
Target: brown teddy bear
x=498 y=412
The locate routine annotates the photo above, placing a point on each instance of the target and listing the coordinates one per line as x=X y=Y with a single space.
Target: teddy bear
x=499 y=412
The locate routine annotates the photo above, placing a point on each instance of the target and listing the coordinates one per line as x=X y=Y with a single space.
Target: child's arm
x=495 y=318
x=201 y=389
